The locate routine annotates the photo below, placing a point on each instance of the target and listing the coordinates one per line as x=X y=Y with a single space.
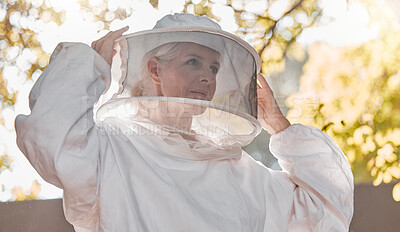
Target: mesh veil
x=187 y=85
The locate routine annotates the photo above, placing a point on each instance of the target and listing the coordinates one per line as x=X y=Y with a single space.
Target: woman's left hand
x=269 y=114
x=105 y=45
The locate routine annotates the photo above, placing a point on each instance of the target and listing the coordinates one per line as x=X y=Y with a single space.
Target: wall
x=33 y=216
x=374 y=209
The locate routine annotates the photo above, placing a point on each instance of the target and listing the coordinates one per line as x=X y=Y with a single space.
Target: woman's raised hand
x=105 y=45
x=269 y=114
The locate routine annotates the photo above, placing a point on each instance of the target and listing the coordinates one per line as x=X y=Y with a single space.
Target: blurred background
x=332 y=64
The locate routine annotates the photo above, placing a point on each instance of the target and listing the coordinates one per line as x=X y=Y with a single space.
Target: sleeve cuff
x=299 y=140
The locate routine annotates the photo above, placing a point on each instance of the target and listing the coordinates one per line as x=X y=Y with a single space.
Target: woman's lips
x=199 y=94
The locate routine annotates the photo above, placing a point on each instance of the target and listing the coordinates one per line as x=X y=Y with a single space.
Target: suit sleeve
x=59 y=137
x=320 y=177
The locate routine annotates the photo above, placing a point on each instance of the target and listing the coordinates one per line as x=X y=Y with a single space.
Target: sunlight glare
x=278 y=8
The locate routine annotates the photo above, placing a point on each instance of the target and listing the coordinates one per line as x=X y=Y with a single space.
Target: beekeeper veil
x=188 y=86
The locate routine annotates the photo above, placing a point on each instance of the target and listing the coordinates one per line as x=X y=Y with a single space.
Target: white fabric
x=117 y=180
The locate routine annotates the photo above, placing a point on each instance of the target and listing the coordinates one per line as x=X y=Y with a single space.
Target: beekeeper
x=163 y=150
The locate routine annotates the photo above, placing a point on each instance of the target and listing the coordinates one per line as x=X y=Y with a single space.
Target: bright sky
x=350 y=26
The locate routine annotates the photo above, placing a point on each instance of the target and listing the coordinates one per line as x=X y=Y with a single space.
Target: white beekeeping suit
x=162 y=158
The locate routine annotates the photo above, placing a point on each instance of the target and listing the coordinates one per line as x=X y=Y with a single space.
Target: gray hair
x=165 y=53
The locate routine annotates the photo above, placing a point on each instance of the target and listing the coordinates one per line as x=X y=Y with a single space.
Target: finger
x=96 y=45
x=116 y=34
x=93 y=44
x=111 y=36
x=107 y=35
x=262 y=80
x=122 y=30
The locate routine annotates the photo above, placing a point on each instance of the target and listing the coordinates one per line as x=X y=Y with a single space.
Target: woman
x=169 y=158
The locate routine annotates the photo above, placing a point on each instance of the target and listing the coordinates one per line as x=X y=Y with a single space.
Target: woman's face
x=191 y=74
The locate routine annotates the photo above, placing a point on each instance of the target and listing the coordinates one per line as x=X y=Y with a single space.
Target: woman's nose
x=207 y=76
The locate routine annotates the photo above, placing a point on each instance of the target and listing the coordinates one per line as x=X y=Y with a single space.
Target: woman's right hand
x=269 y=114
x=105 y=45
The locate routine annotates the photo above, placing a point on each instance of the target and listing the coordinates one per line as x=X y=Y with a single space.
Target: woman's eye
x=193 y=62
x=214 y=69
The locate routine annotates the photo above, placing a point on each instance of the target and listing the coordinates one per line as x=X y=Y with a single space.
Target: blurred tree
x=17 y=37
x=21 y=55
x=104 y=12
x=353 y=94
x=271 y=26
x=20 y=194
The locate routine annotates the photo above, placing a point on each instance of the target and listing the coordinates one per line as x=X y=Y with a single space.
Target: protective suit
x=127 y=170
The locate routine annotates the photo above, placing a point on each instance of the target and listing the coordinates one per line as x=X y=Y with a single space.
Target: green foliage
x=358 y=99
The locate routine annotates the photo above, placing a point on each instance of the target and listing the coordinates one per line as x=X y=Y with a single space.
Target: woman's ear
x=153 y=68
